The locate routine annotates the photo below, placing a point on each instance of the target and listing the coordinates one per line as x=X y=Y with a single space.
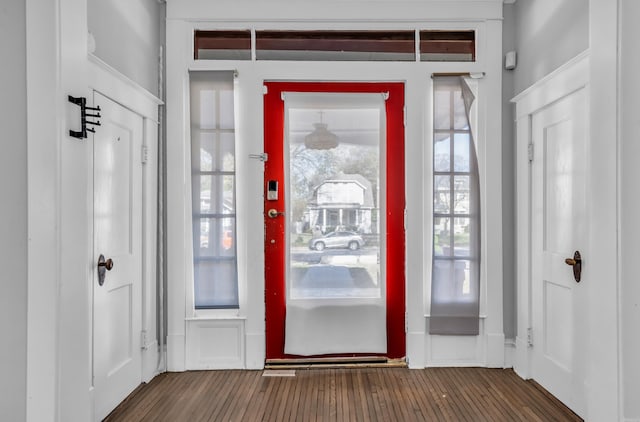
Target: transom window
x=448 y=46
x=325 y=45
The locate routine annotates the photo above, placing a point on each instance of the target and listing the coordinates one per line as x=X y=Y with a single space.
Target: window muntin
x=213 y=190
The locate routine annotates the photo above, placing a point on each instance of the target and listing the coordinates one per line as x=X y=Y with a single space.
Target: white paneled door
x=118 y=255
x=559 y=218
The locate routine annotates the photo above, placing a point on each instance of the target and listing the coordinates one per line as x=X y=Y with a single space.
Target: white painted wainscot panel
x=215 y=344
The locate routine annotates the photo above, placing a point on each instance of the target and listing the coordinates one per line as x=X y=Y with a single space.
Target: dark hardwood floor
x=361 y=394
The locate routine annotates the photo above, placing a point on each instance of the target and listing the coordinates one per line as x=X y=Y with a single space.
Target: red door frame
x=275 y=242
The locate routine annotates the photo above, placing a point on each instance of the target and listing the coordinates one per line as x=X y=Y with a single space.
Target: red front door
x=334 y=213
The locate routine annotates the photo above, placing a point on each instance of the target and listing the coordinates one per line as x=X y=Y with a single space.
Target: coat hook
x=82 y=103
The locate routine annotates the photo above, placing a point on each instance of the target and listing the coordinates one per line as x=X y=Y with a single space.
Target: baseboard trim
x=150 y=355
x=176 y=353
x=509 y=352
x=495 y=356
x=521 y=358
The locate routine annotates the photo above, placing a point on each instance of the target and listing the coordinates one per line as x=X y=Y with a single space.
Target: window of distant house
x=213 y=193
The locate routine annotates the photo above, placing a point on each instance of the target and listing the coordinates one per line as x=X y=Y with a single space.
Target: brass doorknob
x=108 y=264
x=104 y=265
x=576 y=263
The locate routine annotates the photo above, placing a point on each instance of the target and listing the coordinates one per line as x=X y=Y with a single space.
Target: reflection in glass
x=334 y=222
x=442 y=194
x=461 y=228
x=461 y=193
x=216 y=193
x=461 y=152
x=216 y=237
x=441 y=236
x=441 y=152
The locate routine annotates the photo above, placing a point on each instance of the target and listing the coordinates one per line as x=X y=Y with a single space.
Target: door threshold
x=336 y=362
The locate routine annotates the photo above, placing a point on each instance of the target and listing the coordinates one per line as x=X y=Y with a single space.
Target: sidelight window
x=456 y=211
x=213 y=190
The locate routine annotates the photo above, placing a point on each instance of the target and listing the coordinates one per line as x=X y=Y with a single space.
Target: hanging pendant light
x=321 y=137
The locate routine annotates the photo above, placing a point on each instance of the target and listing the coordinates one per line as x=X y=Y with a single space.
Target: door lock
x=273 y=213
x=576 y=263
x=103 y=267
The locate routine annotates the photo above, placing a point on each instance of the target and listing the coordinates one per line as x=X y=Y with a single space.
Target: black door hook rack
x=82 y=103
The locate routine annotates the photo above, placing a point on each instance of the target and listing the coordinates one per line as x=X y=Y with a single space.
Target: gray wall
x=630 y=209
x=128 y=34
x=13 y=211
x=508 y=180
x=547 y=34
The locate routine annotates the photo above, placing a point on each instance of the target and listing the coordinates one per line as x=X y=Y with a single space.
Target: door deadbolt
x=576 y=263
x=103 y=267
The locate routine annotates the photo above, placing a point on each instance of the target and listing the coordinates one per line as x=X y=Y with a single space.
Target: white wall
x=630 y=206
x=128 y=37
x=13 y=212
x=548 y=33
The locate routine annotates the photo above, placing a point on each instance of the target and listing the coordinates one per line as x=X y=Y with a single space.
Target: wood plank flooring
x=362 y=394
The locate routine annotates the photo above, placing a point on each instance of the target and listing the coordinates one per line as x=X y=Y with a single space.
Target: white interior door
x=559 y=135
x=118 y=237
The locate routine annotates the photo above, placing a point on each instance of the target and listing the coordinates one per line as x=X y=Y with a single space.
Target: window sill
x=216 y=316
x=481 y=316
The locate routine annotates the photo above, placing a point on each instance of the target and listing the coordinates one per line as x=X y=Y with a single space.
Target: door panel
x=559 y=225
x=280 y=248
x=117 y=235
